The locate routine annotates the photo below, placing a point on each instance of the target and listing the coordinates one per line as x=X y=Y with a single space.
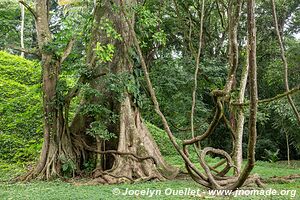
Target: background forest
x=89 y=90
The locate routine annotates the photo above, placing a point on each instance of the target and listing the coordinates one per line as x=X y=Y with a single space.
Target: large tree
x=123 y=148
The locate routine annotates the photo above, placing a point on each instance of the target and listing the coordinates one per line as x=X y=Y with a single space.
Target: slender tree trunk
x=237 y=124
x=251 y=27
x=287 y=147
x=285 y=63
x=233 y=22
x=238 y=150
x=22 y=27
x=196 y=73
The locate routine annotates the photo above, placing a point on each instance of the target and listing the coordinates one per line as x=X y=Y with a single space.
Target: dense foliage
x=169 y=38
x=20 y=108
x=173 y=65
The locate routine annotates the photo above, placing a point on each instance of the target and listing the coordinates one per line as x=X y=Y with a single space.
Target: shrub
x=271 y=156
x=20 y=108
x=162 y=140
x=263 y=145
x=15 y=149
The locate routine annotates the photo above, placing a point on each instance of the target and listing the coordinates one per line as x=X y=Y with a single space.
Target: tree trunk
x=133 y=135
x=285 y=63
x=287 y=148
x=22 y=28
x=57 y=147
x=238 y=142
x=251 y=28
x=135 y=138
x=238 y=123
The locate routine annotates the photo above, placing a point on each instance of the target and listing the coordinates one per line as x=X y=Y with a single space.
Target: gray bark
x=22 y=28
x=238 y=150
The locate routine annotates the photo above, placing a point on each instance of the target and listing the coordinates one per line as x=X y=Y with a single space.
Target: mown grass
x=39 y=190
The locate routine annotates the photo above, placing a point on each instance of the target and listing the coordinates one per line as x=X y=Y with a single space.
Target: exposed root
x=134 y=156
x=282 y=179
x=215 y=179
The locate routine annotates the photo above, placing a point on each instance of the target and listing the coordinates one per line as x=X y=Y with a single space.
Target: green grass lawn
x=61 y=190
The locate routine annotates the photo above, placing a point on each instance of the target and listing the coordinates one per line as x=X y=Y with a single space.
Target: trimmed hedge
x=20 y=108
